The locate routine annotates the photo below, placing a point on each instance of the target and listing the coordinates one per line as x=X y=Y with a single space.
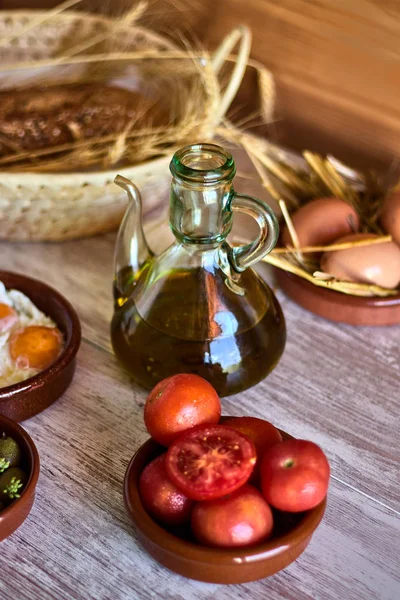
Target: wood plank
x=321 y=120
x=78 y=543
x=336 y=384
x=336 y=67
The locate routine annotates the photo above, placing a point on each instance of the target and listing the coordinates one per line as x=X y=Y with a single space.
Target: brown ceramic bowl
x=15 y=514
x=343 y=308
x=27 y=398
x=214 y=565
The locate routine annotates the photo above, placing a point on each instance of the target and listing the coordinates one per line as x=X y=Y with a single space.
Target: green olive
x=9 y=453
x=12 y=483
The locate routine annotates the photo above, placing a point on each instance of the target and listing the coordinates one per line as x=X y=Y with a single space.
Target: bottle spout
x=130 y=188
x=132 y=250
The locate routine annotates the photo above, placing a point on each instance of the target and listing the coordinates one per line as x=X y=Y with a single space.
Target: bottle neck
x=201 y=193
x=200 y=216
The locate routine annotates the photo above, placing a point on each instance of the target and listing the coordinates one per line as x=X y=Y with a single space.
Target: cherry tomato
x=294 y=475
x=262 y=433
x=160 y=497
x=240 y=519
x=35 y=347
x=210 y=461
x=178 y=403
x=8 y=317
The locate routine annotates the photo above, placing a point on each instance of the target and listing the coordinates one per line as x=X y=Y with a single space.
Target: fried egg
x=28 y=314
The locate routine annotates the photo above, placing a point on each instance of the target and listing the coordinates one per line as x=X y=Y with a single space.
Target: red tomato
x=240 y=519
x=210 y=461
x=8 y=317
x=178 y=403
x=35 y=347
x=160 y=497
x=294 y=475
x=262 y=433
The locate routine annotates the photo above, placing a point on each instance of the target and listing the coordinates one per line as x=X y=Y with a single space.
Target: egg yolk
x=8 y=317
x=35 y=347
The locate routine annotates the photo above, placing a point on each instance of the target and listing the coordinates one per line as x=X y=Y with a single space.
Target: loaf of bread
x=36 y=118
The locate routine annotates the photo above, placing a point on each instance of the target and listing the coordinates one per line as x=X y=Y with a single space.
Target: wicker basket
x=40 y=206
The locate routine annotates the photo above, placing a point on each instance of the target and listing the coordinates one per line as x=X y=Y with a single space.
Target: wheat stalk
x=346 y=287
x=332 y=247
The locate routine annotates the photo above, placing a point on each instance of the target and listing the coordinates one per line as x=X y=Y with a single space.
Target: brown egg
x=322 y=221
x=390 y=217
x=378 y=264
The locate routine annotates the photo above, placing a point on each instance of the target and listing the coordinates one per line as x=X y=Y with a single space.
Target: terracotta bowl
x=214 y=565
x=15 y=514
x=27 y=398
x=354 y=310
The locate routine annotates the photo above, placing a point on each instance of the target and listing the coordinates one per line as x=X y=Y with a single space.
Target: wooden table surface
x=336 y=385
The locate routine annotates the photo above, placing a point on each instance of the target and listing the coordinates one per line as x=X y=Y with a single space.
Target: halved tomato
x=210 y=461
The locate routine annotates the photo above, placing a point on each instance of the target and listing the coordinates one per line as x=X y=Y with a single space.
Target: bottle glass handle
x=242 y=257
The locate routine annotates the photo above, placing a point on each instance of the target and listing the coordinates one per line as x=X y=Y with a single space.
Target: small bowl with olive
x=19 y=472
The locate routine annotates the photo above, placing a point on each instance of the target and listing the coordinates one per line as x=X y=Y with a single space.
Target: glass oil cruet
x=198 y=307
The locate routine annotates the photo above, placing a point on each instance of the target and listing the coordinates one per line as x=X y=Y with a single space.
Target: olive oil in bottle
x=202 y=328
x=198 y=307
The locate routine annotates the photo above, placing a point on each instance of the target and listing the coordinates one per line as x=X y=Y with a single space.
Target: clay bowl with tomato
x=198 y=498
x=25 y=399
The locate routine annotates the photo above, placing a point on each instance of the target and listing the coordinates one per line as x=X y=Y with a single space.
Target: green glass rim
x=225 y=171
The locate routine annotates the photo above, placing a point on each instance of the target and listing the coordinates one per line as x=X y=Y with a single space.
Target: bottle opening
x=203 y=160
x=205 y=163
